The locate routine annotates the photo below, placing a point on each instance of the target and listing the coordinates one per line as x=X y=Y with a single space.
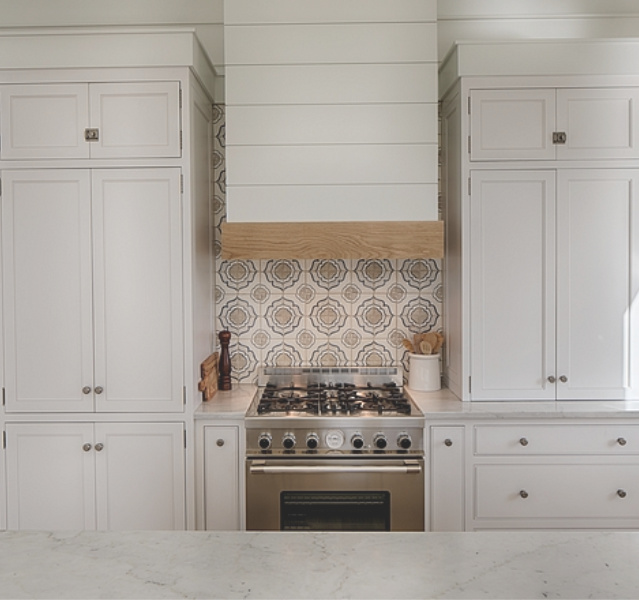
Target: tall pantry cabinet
x=106 y=278
x=540 y=180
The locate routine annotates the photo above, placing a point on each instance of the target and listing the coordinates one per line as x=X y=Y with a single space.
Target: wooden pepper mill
x=224 y=382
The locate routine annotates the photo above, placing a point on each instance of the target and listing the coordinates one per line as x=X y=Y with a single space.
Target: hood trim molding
x=361 y=239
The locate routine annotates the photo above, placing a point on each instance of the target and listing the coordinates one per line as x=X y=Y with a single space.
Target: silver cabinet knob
x=622 y=493
x=523 y=441
x=86 y=447
x=563 y=379
x=86 y=389
x=523 y=494
x=552 y=379
x=220 y=442
x=98 y=447
x=621 y=441
x=448 y=442
x=99 y=390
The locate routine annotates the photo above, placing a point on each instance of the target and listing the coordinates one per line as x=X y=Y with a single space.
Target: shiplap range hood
x=331 y=129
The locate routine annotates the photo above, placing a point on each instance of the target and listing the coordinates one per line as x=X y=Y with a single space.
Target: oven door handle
x=408 y=467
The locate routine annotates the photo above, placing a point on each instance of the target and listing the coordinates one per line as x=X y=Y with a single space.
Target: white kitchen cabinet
x=97 y=120
x=549 y=251
x=74 y=476
x=92 y=290
x=550 y=475
x=539 y=176
x=547 y=123
x=221 y=477
x=447 y=478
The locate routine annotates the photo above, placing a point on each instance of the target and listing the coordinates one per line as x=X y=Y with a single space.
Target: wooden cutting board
x=209 y=375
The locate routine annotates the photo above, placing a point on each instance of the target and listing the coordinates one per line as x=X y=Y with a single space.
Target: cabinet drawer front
x=522 y=440
x=556 y=491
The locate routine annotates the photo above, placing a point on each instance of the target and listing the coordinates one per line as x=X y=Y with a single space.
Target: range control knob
x=312 y=441
x=380 y=441
x=357 y=441
x=404 y=441
x=264 y=440
x=288 y=441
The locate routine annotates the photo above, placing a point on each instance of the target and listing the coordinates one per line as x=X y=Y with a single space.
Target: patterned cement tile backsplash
x=323 y=312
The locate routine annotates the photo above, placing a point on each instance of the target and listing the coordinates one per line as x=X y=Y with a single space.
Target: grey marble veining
x=319 y=565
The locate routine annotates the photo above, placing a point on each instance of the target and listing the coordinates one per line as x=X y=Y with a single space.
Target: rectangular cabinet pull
x=559 y=137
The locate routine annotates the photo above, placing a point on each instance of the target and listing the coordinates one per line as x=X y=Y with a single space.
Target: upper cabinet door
x=44 y=121
x=70 y=121
x=46 y=254
x=512 y=124
x=598 y=123
x=512 y=253
x=596 y=283
x=135 y=119
x=138 y=290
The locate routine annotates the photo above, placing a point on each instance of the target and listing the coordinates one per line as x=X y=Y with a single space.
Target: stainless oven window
x=335 y=511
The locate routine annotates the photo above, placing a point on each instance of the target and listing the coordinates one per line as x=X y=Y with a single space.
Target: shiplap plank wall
x=331 y=110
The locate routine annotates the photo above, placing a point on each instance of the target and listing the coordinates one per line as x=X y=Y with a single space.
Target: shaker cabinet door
x=44 y=121
x=512 y=284
x=597 y=228
x=138 y=290
x=47 y=279
x=135 y=119
x=140 y=476
x=512 y=124
x=50 y=476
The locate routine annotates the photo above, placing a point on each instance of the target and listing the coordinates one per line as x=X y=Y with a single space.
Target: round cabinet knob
x=99 y=390
x=448 y=442
x=563 y=379
x=86 y=389
x=86 y=447
x=551 y=379
x=404 y=441
x=312 y=441
x=98 y=447
x=621 y=441
x=523 y=494
x=379 y=441
x=264 y=440
x=622 y=493
x=523 y=441
x=288 y=441
x=357 y=441
x=220 y=442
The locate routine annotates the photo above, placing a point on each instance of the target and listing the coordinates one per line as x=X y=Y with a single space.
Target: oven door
x=335 y=494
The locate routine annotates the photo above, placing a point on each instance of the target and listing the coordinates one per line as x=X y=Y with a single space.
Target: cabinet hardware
x=563 y=379
x=220 y=442
x=4 y=440
x=3 y=396
x=99 y=446
x=99 y=390
x=523 y=494
x=551 y=379
x=622 y=493
x=523 y=441
x=91 y=134
x=448 y=442
x=86 y=447
x=621 y=441
x=86 y=389
x=558 y=137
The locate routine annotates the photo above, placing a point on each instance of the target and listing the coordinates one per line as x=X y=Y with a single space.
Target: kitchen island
x=531 y=564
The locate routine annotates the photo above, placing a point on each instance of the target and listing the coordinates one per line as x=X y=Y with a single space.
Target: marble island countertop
x=192 y=564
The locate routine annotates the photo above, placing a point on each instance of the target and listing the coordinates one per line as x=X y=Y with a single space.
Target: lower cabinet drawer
x=556 y=491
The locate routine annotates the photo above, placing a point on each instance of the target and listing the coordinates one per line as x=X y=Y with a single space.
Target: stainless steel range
x=334 y=449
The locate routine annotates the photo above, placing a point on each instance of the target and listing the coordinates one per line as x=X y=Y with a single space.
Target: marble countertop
x=442 y=404
x=192 y=564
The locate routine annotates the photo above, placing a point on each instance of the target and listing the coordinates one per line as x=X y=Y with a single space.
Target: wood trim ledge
x=367 y=239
